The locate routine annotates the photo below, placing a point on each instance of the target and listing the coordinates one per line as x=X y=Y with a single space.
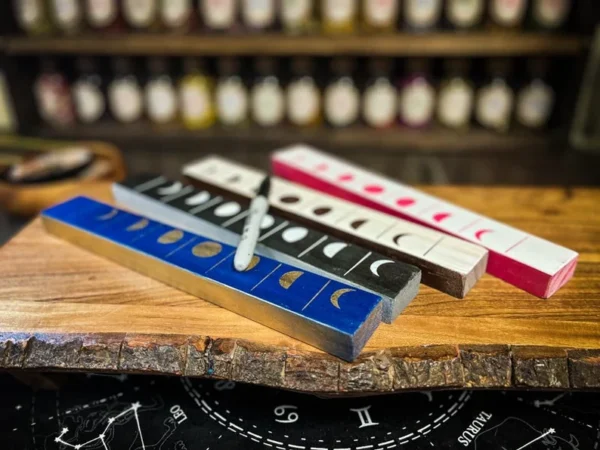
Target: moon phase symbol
x=233 y=179
x=287 y=279
x=358 y=223
x=479 y=234
x=228 y=209
x=207 y=249
x=253 y=262
x=267 y=222
x=400 y=236
x=140 y=224
x=441 y=216
x=109 y=215
x=321 y=211
x=197 y=199
x=334 y=248
x=170 y=237
x=377 y=264
x=335 y=297
x=289 y=199
x=294 y=234
x=170 y=190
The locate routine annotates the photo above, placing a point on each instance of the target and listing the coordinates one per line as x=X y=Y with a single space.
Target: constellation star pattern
x=111 y=420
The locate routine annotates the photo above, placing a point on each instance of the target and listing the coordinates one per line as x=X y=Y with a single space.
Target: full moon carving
x=228 y=209
x=170 y=237
x=207 y=249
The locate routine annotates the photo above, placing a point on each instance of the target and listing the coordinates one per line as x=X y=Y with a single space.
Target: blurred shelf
x=400 y=140
x=401 y=44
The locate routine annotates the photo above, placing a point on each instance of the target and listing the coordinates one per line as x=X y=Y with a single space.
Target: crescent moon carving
x=140 y=224
x=197 y=199
x=479 y=234
x=207 y=249
x=335 y=297
x=109 y=215
x=170 y=190
x=398 y=237
x=377 y=264
x=170 y=237
x=287 y=279
x=334 y=248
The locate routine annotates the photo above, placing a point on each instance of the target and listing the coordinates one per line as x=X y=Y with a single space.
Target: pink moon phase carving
x=346 y=177
x=373 y=189
x=479 y=234
x=405 y=201
x=441 y=216
x=321 y=167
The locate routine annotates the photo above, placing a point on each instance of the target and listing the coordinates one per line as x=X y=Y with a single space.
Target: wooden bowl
x=30 y=199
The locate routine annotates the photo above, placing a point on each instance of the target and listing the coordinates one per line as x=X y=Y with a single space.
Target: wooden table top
x=64 y=308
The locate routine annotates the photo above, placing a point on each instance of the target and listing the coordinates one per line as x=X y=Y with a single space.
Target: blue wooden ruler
x=330 y=315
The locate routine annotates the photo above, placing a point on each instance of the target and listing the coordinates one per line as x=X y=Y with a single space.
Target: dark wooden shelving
x=400 y=44
x=391 y=140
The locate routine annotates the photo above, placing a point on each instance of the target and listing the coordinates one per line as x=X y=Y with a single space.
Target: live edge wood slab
x=62 y=308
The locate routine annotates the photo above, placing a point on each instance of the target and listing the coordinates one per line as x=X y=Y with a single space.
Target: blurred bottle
x=219 y=15
x=88 y=92
x=456 y=94
x=380 y=98
x=32 y=16
x=259 y=15
x=125 y=97
x=161 y=95
x=380 y=15
x=303 y=94
x=297 y=16
x=104 y=15
x=196 y=90
x=341 y=96
x=231 y=93
x=339 y=16
x=464 y=14
x=177 y=15
x=421 y=15
x=550 y=14
x=495 y=98
x=267 y=96
x=53 y=95
x=507 y=13
x=8 y=118
x=417 y=94
x=535 y=100
x=142 y=15
x=67 y=15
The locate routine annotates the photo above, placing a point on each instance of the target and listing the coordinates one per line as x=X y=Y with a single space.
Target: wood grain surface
x=63 y=308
